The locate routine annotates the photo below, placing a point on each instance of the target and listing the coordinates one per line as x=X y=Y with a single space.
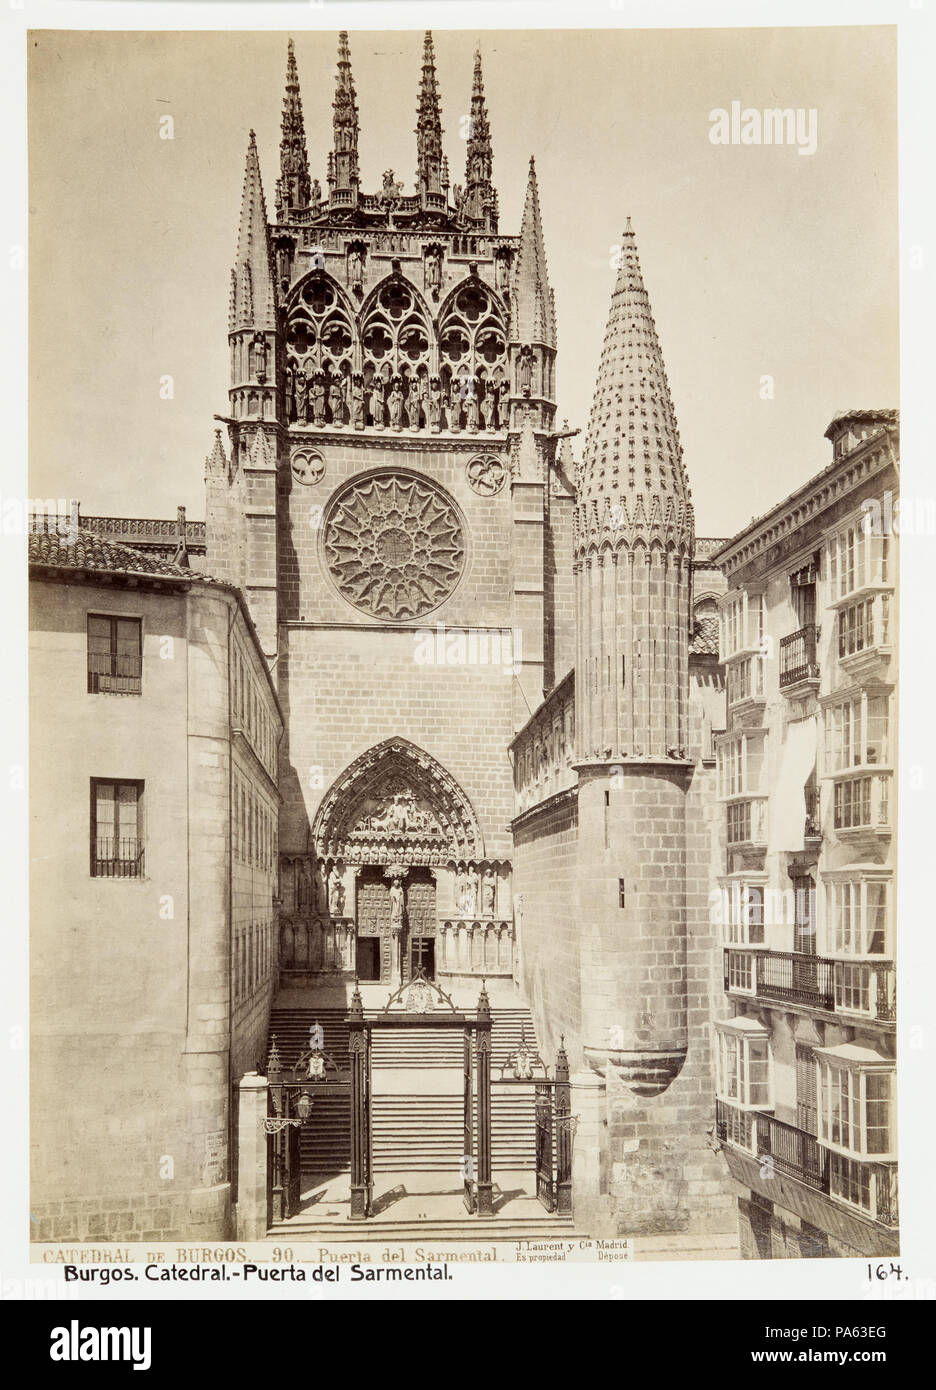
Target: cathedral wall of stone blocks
x=546 y=913
x=482 y=594
x=345 y=691
x=559 y=584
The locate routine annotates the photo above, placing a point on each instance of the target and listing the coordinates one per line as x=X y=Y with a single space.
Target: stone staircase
x=417 y=1106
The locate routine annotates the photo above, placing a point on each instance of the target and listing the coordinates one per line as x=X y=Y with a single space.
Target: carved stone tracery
x=396 y=804
x=394 y=546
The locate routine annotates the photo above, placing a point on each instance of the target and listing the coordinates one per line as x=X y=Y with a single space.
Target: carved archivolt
x=394 y=545
x=396 y=804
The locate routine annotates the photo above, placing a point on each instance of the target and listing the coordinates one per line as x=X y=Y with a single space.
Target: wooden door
x=373 y=913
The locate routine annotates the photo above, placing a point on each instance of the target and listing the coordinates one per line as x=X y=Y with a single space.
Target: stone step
x=475 y=1229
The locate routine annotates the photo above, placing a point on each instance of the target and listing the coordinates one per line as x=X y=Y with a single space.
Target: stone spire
x=428 y=128
x=479 y=191
x=343 y=173
x=294 y=187
x=632 y=548
x=216 y=464
x=632 y=462
x=253 y=299
x=533 y=316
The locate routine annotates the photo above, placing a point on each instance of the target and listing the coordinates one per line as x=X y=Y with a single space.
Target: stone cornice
x=421 y=441
x=841 y=478
x=549 y=803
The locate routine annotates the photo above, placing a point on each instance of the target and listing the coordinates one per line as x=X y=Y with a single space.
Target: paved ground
x=414 y=1197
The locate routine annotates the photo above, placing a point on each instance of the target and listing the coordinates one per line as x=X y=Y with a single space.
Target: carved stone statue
x=488 y=893
x=469 y=896
x=335 y=893
x=501 y=271
x=471 y=409
x=526 y=371
x=291 y=394
x=378 y=408
x=395 y=402
x=318 y=399
x=434 y=407
x=357 y=401
x=316 y=196
x=258 y=357
x=434 y=273
x=336 y=400
x=413 y=403
x=355 y=266
x=396 y=907
x=487 y=407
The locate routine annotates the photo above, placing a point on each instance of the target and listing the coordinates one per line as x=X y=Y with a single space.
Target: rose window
x=394 y=546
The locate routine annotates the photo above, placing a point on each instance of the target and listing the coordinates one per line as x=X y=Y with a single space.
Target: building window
x=852 y=987
x=860 y=802
x=115 y=655
x=741 y=972
x=746 y=822
x=740 y=759
x=858 y=559
x=745 y=679
x=850 y=1181
x=856 y=733
x=743 y=1064
x=856 y=917
x=856 y=1106
x=742 y=912
x=116 y=828
x=742 y=624
x=856 y=627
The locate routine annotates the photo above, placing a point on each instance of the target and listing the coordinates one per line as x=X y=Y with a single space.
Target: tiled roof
x=873 y=417
x=89 y=552
x=704 y=637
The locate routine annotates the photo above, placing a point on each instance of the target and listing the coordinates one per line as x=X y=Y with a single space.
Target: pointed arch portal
x=396 y=804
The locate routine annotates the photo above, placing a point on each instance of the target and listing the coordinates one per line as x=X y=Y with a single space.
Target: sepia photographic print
x=464 y=542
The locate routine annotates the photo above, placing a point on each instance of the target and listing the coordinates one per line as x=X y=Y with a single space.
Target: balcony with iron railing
x=117 y=858
x=799 y=664
x=856 y=988
x=793 y=1152
x=115 y=674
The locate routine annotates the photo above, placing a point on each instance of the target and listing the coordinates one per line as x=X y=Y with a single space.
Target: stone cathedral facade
x=492 y=651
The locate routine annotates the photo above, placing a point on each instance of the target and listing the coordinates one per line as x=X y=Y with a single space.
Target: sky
x=760 y=262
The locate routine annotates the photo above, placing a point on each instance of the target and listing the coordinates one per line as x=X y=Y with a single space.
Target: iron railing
x=796 y=979
x=864 y=988
x=793 y=1151
x=114 y=675
x=798 y=660
x=117 y=858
